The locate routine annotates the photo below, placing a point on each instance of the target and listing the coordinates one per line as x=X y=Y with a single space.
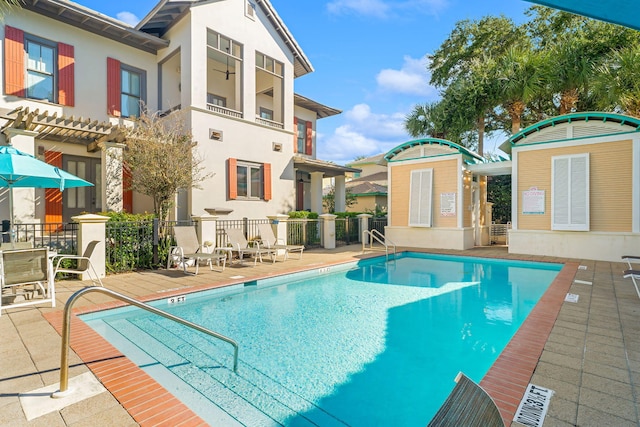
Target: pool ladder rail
x=375 y=235
x=66 y=331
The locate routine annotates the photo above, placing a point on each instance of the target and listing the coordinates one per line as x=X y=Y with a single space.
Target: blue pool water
x=369 y=344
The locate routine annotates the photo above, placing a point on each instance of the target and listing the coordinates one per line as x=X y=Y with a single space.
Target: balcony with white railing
x=224 y=111
x=267 y=122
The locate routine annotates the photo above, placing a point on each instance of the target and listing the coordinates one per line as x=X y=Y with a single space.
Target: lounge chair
x=468 y=405
x=21 y=269
x=632 y=273
x=188 y=248
x=82 y=264
x=240 y=245
x=269 y=240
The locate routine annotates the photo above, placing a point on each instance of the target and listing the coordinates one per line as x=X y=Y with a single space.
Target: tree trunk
x=480 y=124
x=568 y=100
x=515 y=110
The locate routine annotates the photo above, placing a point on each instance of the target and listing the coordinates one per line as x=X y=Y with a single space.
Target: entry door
x=77 y=201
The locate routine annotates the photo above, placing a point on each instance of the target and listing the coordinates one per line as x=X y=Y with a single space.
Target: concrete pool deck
x=588 y=352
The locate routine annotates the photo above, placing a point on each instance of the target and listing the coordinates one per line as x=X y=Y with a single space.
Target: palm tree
x=521 y=77
x=426 y=120
x=6 y=5
x=570 y=71
x=617 y=81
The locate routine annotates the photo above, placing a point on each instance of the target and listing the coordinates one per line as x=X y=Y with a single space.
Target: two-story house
x=72 y=76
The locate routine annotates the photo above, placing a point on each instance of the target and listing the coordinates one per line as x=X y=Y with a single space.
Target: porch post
x=112 y=191
x=93 y=227
x=24 y=199
x=279 y=226
x=316 y=192
x=206 y=229
x=328 y=230
x=340 y=194
x=364 y=225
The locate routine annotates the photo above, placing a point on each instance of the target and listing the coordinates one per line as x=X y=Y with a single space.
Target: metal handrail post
x=66 y=331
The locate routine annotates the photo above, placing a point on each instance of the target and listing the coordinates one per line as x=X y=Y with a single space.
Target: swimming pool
x=369 y=344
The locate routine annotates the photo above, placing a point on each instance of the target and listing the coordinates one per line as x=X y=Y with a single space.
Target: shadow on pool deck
x=591 y=358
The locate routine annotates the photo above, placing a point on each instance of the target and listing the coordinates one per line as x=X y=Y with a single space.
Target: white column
x=316 y=192
x=364 y=225
x=206 y=229
x=279 y=226
x=112 y=190
x=24 y=199
x=340 y=195
x=92 y=227
x=328 y=231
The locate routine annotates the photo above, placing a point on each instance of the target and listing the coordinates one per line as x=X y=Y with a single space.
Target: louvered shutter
x=66 y=65
x=295 y=134
x=232 y=178
x=420 y=198
x=266 y=181
x=309 y=139
x=14 y=67
x=114 y=85
x=53 y=196
x=570 y=199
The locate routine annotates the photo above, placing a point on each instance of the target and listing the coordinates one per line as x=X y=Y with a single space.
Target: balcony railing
x=267 y=122
x=225 y=111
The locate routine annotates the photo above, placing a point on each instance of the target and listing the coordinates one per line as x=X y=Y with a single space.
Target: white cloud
x=412 y=78
x=128 y=18
x=385 y=8
x=365 y=133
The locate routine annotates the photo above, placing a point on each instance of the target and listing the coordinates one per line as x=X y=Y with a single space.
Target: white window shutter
x=570 y=186
x=420 y=197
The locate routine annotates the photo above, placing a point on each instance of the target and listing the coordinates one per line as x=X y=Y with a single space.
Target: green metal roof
x=470 y=155
x=568 y=118
x=621 y=12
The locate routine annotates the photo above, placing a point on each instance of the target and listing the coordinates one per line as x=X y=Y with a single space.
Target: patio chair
x=81 y=264
x=240 y=245
x=632 y=273
x=270 y=241
x=188 y=248
x=20 y=269
x=468 y=405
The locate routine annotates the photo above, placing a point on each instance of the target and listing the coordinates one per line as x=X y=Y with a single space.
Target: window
x=269 y=64
x=247 y=180
x=302 y=136
x=224 y=44
x=250 y=9
x=131 y=96
x=420 y=196
x=37 y=68
x=216 y=100
x=40 y=70
x=570 y=198
x=266 y=113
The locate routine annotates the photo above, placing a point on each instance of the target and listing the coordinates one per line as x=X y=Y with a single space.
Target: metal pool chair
x=82 y=264
x=468 y=405
x=269 y=240
x=240 y=245
x=18 y=270
x=189 y=248
x=632 y=273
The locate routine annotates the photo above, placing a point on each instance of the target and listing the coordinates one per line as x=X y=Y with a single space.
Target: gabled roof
x=367 y=188
x=321 y=110
x=599 y=124
x=378 y=159
x=92 y=21
x=167 y=12
x=378 y=176
x=470 y=156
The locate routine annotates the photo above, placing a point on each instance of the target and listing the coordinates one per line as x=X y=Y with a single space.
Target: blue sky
x=369 y=60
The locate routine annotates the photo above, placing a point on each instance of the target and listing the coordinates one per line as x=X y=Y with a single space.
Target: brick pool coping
x=151 y=404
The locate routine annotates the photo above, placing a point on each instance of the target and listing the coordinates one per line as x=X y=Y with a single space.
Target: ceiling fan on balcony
x=227 y=73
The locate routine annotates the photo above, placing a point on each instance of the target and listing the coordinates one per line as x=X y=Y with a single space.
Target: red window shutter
x=295 y=134
x=113 y=87
x=127 y=192
x=232 y=180
x=66 y=65
x=266 y=180
x=309 y=139
x=14 y=61
x=53 y=196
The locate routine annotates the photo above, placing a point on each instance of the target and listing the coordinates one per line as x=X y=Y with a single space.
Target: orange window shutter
x=14 y=67
x=53 y=196
x=66 y=65
x=295 y=134
x=113 y=87
x=232 y=181
x=309 y=139
x=266 y=178
x=127 y=192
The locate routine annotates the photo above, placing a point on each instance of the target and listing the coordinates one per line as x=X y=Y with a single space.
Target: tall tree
x=617 y=84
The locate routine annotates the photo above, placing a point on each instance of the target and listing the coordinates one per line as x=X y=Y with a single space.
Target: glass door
x=77 y=201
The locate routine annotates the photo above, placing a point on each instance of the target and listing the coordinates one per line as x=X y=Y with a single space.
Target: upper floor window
x=41 y=66
x=265 y=113
x=302 y=136
x=269 y=64
x=224 y=44
x=131 y=96
x=213 y=99
x=250 y=9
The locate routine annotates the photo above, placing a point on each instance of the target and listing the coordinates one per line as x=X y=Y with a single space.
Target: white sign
x=534 y=406
x=448 y=204
x=177 y=299
x=533 y=201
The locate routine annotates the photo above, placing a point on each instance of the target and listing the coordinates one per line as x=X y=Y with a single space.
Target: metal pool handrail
x=66 y=331
x=380 y=238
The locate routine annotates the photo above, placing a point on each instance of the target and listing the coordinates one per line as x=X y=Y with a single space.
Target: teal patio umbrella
x=18 y=169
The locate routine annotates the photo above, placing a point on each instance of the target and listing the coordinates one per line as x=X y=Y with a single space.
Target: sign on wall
x=448 y=204
x=533 y=201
